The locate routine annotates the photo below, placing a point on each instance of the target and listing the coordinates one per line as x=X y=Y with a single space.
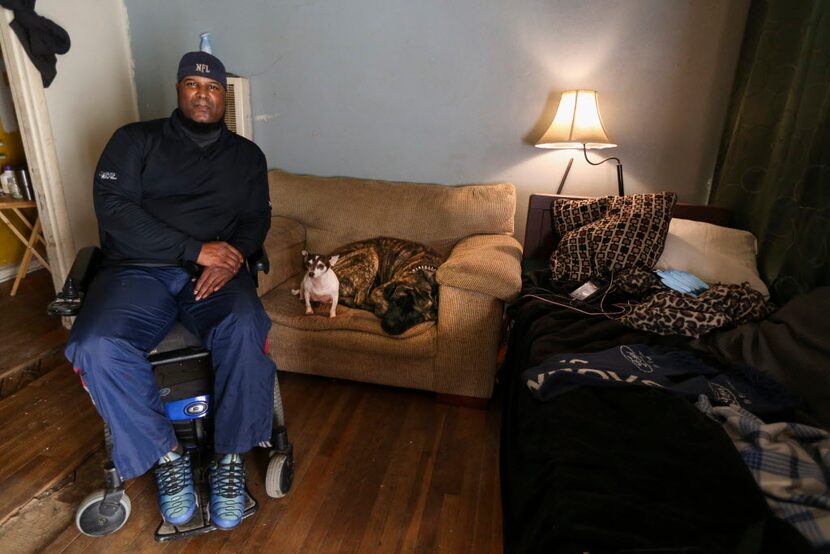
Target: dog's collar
x=425 y=268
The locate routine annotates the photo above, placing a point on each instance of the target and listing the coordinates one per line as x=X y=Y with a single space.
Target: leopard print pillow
x=605 y=235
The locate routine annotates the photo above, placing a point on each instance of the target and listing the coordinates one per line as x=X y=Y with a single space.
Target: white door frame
x=42 y=158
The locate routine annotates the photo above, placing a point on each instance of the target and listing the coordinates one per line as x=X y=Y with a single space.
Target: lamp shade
x=577 y=122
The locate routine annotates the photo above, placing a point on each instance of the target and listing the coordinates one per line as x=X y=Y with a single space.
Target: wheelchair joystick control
x=70 y=291
x=68 y=301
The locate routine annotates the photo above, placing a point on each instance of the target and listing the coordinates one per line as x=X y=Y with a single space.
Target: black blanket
x=791 y=346
x=616 y=470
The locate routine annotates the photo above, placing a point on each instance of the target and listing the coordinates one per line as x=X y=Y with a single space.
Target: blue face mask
x=682 y=281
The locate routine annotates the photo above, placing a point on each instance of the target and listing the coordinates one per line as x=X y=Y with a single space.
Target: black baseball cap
x=202 y=64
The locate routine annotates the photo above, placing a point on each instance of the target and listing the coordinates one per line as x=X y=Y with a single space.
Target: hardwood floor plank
x=408 y=472
x=487 y=525
x=27 y=331
x=66 y=441
x=420 y=518
x=47 y=430
x=12 y=405
x=396 y=484
x=447 y=481
x=298 y=526
x=14 y=379
x=347 y=508
x=291 y=517
x=449 y=535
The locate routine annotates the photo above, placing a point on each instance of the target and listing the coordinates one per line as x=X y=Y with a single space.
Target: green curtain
x=773 y=168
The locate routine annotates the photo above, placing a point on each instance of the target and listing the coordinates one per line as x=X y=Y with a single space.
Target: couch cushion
x=357 y=356
x=339 y=210
x=286 y=309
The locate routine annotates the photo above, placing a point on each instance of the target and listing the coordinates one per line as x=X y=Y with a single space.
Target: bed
x=603 y=464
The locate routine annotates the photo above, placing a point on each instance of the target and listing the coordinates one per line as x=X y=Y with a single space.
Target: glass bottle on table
x=5 y=185
x=11 y=179
x=17 y=192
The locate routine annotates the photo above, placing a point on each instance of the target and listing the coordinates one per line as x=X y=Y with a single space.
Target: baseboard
x=465 y=401
x=9 y=271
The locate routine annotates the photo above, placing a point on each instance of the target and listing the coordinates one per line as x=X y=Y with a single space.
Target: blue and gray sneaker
x=227 y=491
x=177 y=496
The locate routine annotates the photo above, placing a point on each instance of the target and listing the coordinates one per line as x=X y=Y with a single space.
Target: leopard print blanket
x=668 y=312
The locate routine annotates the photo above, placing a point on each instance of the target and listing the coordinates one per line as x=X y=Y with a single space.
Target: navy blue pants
x=126 y=313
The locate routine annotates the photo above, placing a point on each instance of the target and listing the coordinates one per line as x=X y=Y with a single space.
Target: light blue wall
x=450 y=90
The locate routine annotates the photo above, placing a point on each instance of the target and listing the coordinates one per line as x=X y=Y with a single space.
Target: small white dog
x=320 y=283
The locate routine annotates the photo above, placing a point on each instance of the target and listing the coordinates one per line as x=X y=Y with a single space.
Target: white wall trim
x=9 y=271
x=41 y=156
x=125 y=21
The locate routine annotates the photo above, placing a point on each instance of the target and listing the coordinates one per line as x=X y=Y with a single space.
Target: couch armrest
x=487 y=264
x=283 y=246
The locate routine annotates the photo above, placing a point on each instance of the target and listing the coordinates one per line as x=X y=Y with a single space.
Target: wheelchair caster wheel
x=95 y=519
x=279 y=476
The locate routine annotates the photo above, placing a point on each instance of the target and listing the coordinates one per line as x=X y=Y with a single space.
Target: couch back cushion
x=339 y=210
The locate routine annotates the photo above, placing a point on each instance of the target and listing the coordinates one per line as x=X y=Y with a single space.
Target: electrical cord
x=621 y=309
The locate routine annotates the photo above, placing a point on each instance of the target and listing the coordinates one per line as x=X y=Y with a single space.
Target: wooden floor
x=30 y=341
x=377 y=470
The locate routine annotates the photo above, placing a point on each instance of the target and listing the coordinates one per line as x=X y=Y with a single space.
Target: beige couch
x=472 y=225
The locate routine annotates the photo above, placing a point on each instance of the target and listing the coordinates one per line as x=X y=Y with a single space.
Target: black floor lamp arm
x=619 y=168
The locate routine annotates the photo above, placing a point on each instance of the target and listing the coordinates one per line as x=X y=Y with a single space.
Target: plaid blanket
x=789 y=461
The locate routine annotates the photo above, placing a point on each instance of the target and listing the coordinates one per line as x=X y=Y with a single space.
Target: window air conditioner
x=238 y=107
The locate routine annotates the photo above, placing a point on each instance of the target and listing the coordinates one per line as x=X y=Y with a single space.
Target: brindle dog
x=394 y=278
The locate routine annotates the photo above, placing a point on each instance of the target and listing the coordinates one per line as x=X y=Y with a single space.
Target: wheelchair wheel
x=93 y=521
x=279 y=476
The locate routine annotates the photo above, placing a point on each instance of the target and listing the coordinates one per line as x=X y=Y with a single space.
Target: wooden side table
x=14 y=205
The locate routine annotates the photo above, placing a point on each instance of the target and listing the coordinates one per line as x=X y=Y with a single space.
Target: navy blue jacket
x=158 y=196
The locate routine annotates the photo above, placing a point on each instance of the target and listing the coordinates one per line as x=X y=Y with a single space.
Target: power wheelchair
x=184 y=375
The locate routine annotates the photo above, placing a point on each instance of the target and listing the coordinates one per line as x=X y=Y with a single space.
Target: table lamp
x=577 y=124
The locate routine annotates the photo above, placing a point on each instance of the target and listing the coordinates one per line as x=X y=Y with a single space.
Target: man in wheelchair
x=169 y=194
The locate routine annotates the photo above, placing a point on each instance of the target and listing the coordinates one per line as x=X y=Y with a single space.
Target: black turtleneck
x=159 y=197
x=203 y=134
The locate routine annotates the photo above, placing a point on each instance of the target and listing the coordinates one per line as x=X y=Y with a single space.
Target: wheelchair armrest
x=258 y=261
x=68 y=301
